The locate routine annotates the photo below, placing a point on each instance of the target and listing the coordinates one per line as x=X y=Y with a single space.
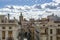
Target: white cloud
x=58 y=1
x=32 y=11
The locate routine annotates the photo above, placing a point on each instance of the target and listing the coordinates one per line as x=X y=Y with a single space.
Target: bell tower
x=21 y=18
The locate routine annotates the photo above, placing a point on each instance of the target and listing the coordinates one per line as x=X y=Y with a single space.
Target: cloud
x=38 y=6
x=28 y=11
x=32 y=11
x=58 y=1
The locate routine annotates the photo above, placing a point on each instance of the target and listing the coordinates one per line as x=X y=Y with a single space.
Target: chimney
x=15 y=19
x=8 y=17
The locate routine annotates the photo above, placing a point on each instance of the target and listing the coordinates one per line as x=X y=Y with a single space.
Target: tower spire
x=21 y=14
x=21 y=17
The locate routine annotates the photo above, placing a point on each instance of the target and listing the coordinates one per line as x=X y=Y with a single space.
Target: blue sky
x=22 y=2
x=47 y=6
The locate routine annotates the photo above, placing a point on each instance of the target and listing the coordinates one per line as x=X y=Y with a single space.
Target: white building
x=8 y=28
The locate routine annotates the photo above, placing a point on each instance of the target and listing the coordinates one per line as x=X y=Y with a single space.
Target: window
x=58 y=31
x=58 y=38
x=43 y=25
x=9 y=33
x=50 y=25
x=45 y=31
x=58 y=25
x=10 y=27
x=3 y=27
x=2 y=21
x=50 y=31
x=3 y=34
x=51 y=38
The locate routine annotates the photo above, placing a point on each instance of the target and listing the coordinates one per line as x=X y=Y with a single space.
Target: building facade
x=50 y=30
x=40 y=29
x=44 y=29
x=8 y=28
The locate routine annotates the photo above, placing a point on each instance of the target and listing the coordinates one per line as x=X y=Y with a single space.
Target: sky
x=30 y=8
x=22 y=2
x=58 y=1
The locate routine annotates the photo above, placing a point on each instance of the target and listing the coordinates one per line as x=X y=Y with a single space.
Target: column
x=6 y=35
x=0 y=34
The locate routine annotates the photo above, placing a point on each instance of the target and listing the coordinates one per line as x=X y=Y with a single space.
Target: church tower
x=21 y=18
